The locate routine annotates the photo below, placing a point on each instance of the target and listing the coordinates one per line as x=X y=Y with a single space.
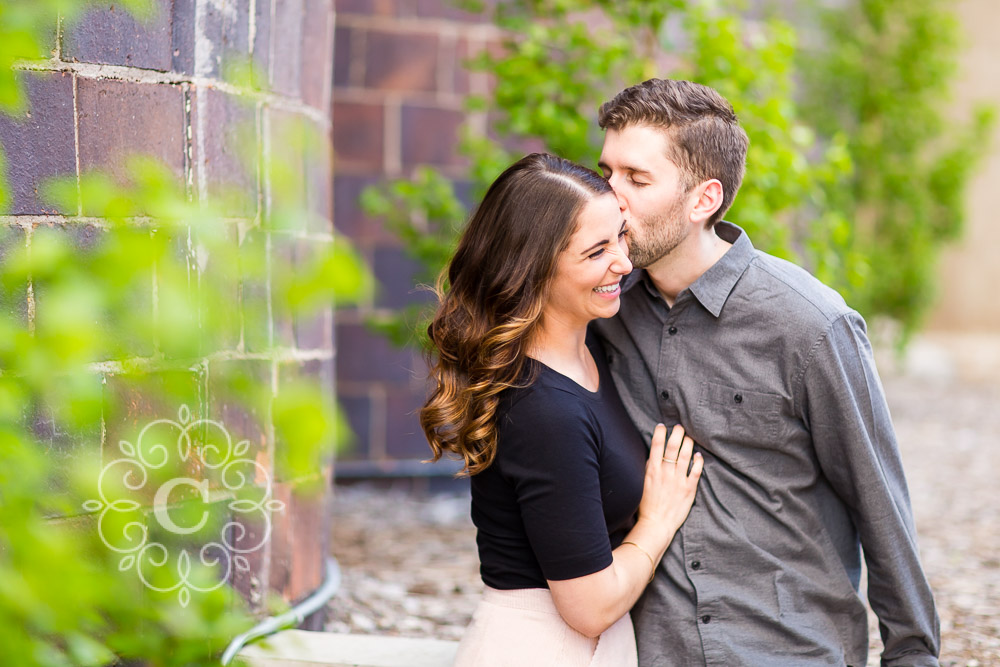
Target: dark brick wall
x=164 y=95
x=399 y=90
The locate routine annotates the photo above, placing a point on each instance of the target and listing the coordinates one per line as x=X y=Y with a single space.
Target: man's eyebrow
x=635 y=170
x=600 y=243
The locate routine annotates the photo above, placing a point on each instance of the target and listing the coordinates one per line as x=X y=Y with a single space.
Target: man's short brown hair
x=706 y=140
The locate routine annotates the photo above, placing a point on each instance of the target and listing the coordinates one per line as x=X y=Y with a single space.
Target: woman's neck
x=564 y=349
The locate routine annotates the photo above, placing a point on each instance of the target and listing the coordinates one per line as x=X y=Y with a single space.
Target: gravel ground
x=410 y=566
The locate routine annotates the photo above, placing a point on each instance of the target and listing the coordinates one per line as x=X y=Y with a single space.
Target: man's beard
x=661 y=234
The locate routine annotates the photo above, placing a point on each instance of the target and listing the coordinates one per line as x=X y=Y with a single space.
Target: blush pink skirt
x=523 y=628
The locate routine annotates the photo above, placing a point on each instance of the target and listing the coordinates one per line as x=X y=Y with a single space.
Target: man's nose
x=622 y=202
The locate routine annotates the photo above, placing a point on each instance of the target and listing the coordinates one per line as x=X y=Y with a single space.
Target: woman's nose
x=622 y=264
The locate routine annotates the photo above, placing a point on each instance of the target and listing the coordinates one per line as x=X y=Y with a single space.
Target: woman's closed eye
x=600 y=251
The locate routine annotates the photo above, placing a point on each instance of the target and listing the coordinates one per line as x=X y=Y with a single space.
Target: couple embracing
x=679 y=445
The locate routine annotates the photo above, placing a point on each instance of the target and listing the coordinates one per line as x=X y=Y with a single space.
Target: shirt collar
x=714 y=286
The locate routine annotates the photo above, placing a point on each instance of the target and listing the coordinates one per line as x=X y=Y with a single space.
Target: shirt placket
x=675 y=334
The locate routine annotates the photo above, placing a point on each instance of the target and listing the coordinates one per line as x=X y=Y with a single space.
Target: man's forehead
x=635 y=151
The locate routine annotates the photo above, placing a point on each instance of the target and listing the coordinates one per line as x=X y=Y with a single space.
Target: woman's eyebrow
x=595 y=246
x=604 y=242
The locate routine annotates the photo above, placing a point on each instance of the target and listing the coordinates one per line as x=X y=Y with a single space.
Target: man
x=772 y=375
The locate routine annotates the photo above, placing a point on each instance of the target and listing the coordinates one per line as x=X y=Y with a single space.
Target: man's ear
x=708 y=200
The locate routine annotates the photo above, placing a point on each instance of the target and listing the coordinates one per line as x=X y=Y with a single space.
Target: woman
x=524 y=396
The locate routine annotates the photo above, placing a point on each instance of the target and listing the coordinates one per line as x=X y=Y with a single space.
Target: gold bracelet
x=646 y=554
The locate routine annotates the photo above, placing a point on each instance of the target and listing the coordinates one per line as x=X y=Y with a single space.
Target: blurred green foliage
x=132 y=309
x=881 y=78
x=851 y=166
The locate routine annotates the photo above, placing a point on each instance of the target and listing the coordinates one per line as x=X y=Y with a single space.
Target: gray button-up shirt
x=772 y=375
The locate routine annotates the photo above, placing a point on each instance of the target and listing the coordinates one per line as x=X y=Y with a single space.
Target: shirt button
x=738 y=398
x=696 y=565
x=664 y=394
x=706 y=618
x=672 y=330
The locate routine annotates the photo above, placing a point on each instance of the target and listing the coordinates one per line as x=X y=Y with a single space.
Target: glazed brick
x=227 y=26
x=182 y=33
x=179 y=333
x=245 y=535
x=375 y=7
x=358 y=135
x=72 y=446
x=286 y=54
x=253 y=291
x=281 y=546
x=39 y=145
x=447 y=9
x=358 y=412
x=298 y=543
x=13 y=293
x=306 y=328
x=404 y=437
x=401 y=279
x=342 y=42
x=465 y=51
x=317 y=50
x=363 y=356
x=314 y=331
x=117 y=119
x=262 y=40
x=348 y=217
x=431 y=136
x=324 y=372
x=285 y=257
x=231 y=150
x=310 y=518
x=109 y=35
x=126 y=330
x=132 y=402
x=402 y=62
x=238 y=396
x=319 y=183
x=218 y=291
x=318 y=373
x=286 y=155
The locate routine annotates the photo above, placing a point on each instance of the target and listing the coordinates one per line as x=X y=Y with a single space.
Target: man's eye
x=636 y=183
x=623 y=233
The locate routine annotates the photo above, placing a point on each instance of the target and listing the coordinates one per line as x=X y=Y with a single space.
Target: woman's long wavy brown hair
x=497 y=285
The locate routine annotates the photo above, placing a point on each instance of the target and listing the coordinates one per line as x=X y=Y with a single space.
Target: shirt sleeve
x=549 y=451
x=845 y=409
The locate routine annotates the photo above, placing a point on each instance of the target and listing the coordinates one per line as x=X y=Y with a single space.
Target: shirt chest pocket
x=738 y=423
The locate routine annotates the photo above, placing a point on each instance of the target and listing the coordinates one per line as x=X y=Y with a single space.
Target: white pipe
x=294 y=616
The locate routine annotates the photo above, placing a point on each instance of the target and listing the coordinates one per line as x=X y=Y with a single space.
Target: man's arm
x=845 y=409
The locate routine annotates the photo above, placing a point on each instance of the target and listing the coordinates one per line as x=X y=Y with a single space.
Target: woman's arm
x=592 y=603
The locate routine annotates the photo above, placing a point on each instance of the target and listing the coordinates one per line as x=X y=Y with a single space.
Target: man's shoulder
x=787 y=291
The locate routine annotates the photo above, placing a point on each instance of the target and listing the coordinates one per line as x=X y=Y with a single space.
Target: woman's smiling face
x=588 y=272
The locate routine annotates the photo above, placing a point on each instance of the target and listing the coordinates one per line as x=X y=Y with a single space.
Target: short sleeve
x=549 y=451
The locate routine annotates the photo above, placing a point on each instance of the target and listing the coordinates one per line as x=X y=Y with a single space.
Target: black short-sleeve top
x=565 y=485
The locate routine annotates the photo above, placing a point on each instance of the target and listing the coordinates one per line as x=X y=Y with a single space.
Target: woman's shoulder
x=544 y=390
x=546 y=412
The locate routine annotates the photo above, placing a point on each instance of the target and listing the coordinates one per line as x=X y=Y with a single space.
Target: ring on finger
x=666 y=460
